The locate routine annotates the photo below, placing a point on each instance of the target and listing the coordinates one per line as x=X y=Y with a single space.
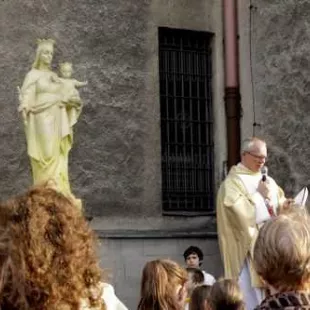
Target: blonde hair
x=160 y=280
x=226 y=294
x=282 y=251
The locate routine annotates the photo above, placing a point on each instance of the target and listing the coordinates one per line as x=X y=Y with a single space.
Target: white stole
x=250 y=183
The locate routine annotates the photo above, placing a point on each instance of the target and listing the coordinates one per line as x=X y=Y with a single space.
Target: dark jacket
x=288 y=301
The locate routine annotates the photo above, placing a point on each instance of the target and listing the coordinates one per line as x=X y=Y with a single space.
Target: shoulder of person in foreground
x=108 y=297
x=111 y=300
x=208 y=278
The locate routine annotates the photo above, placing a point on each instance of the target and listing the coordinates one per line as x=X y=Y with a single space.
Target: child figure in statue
x=70 y=92
x=48 y=121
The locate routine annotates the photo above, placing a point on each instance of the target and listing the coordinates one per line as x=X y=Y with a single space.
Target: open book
x=301 y=197
x=263 y=215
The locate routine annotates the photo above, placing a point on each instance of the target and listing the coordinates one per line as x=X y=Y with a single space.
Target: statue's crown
x=45 y=42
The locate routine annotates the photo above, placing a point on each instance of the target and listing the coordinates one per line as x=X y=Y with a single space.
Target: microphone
x=264 y=172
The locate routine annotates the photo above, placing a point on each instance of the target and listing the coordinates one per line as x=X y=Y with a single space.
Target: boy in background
x=195 y=279
x=193 y=257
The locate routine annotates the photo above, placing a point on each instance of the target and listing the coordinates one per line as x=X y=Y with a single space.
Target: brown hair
x=282 y=251
x=226 y=294
x=160 y=280
x=195 y=278
x=47 y=254
x=199 y=297
x=196 y=275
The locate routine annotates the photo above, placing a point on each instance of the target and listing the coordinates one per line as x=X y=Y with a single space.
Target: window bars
x=186 y=121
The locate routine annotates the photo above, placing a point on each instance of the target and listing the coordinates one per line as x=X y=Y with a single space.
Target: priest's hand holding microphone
x=265 y=189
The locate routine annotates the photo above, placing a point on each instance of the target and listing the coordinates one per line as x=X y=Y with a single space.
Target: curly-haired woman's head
x=47 y=253
x=163 y=286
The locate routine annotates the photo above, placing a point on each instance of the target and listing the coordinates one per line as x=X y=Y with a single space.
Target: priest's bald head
x=253 y=153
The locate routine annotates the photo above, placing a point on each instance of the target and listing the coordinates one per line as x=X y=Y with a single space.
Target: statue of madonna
x=49 y=118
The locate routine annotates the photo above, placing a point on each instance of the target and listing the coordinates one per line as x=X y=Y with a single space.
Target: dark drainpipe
x=232 y=93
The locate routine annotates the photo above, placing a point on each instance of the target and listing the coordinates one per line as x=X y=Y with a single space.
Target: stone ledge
x=154 y=234
x=153 y=223
x=154 y=227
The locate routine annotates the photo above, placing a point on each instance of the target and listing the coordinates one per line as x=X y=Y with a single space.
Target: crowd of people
x=281 y=260
x=48 y=258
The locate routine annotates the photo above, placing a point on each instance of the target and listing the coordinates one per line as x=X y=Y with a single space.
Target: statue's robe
x=48 y=127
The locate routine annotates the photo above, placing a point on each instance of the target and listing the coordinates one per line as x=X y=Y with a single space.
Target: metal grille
x=186 y=121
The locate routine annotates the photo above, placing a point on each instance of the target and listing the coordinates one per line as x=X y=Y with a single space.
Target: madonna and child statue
x=50 y=106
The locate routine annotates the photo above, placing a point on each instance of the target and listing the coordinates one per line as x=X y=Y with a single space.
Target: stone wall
x=280 y=65
x=115 y=162
x=107 y=44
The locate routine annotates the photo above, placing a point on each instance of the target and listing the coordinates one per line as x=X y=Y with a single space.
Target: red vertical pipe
x=232 y=92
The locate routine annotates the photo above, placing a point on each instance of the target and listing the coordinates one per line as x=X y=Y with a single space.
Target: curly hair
x=47 y=254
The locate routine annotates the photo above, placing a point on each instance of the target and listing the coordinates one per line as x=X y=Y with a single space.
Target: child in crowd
x=163 y=286
x=199 y=298
x=195 y=279
x=193 y=257
x=226 y=294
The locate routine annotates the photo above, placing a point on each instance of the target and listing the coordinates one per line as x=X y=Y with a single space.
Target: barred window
x=187 y=149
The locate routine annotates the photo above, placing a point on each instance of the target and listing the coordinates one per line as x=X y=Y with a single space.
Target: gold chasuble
x=237 y=224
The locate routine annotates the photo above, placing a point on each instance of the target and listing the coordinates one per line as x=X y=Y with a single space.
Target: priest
x=246 y=199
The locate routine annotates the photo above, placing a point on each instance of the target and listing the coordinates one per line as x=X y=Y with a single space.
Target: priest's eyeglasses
x=259 y=157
